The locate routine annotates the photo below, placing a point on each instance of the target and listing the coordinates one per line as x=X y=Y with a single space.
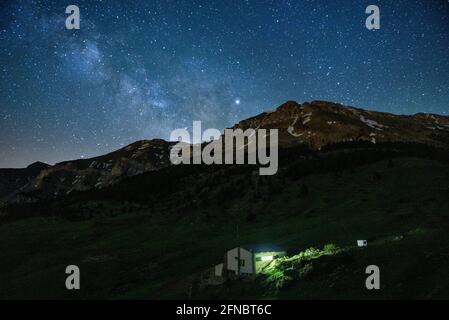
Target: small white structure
x=362 y=243
x=218 y=270
x=247 y=261
x=240 y=261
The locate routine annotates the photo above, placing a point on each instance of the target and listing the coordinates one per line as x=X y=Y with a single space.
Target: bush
x=278 y=280
x=305 y=271
x=331 y=249
x=286 y=269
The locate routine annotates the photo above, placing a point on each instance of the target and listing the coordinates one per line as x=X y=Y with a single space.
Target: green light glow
x=267 y=258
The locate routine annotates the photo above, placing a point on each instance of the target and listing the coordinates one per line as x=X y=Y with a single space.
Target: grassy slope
x=147 y=255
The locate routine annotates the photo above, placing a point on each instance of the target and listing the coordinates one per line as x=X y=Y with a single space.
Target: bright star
x=237 y=101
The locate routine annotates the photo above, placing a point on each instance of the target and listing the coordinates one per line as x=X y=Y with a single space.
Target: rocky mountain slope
x=315 y=124
x=320 y=123
x=14 y=179
x=98 y=172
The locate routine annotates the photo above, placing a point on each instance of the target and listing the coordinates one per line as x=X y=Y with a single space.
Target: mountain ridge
x=313 y=124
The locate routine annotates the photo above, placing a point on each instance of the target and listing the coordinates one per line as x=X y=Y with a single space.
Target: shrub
x=331 y=249
x=286 y=269
x=305 y=271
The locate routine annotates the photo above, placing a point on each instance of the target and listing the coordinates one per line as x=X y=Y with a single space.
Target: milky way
x=139 y=69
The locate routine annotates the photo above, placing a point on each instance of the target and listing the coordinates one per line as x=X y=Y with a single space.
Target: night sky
x=139 y=69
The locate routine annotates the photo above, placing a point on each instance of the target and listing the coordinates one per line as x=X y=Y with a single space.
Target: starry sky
x=139 y=69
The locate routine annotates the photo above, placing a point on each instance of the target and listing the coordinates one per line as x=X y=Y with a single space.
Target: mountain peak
x=290 y=104
x=38 y=165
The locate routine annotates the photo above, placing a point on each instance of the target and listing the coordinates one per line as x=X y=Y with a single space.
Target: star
x=139 y=71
